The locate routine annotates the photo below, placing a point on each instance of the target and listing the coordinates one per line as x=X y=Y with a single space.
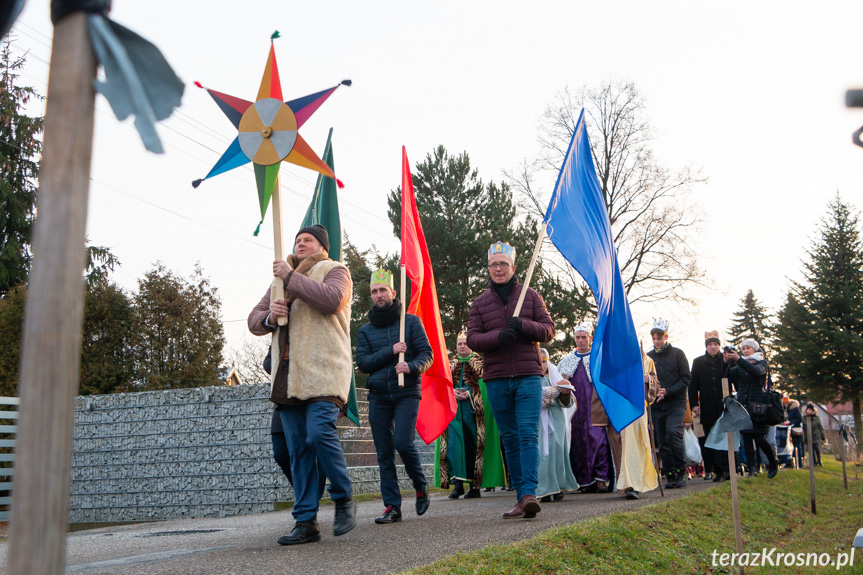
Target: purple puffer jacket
x=488 y=316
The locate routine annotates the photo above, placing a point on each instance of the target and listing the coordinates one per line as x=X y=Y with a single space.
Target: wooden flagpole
x=277 y=288
x=530 y=269
x=732 y=471
x=403 y=286
x=51 y=351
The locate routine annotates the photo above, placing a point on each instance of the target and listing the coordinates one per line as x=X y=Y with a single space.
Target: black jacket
x=375 y=357
x=672 y=368
x=750 y=380
x=705 y=390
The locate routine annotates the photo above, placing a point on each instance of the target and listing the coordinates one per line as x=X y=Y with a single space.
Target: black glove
x=506 y=336
x=514 y=323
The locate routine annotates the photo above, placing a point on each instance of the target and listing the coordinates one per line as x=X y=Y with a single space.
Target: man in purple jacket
x=512 y=369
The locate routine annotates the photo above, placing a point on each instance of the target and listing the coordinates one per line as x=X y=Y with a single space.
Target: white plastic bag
x=693 y=450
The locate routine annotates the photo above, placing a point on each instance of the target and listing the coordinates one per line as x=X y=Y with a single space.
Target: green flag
x=324 y=210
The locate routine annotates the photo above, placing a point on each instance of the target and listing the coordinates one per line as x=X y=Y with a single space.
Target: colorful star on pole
x=268 y=132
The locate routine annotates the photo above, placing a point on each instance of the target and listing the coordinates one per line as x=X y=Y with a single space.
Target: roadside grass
x=680 y=536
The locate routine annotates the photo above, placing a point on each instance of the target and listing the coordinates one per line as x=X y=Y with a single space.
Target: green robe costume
x=469 y=450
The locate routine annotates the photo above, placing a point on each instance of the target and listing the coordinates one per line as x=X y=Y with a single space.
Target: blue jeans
x=516 y=403
x=310 y=432
x=393 y=424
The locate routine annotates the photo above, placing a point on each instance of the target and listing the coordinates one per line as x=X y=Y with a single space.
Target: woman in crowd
x=750 y=376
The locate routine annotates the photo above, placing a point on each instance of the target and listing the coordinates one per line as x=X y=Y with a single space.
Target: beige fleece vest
x=320 y=347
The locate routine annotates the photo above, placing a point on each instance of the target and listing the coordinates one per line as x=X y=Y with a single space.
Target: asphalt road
x=248 y=544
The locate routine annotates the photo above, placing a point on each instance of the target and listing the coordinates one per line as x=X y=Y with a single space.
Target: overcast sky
x=750 y=92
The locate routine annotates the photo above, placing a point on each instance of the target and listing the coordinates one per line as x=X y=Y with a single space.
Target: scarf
x=504 y=290
x=385 y=316
x=755 y=357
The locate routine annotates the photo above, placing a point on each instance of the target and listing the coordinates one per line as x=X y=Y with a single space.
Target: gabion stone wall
x=201 y=452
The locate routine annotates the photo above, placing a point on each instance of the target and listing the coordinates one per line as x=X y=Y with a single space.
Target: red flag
x=438 y=405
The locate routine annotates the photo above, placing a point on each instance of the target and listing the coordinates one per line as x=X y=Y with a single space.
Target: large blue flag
x=579 y=227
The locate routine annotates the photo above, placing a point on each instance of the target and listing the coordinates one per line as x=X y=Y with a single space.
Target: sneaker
x=303 y=532
x=531 y=506
x=391 y=514
x=346 y=515
x=422 y=504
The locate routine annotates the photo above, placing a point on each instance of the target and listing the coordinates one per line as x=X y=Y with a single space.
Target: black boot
x=473 y=494
x=303 y=532
x=346 y=515
x=458 y=490
x=422 y=504
x=680 y=482
x=670 y=480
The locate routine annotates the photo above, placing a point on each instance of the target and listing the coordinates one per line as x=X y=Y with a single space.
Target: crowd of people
x=522 y=424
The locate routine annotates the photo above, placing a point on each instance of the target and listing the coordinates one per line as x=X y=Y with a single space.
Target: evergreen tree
x=177 y=331
x=11 y=330
x=751 y=322
x=106 y=363
x=461 y=216
x=820 y=331
x=19 y=154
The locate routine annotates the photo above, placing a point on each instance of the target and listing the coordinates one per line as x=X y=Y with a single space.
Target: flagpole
x=277 y=288
x=530 y=269
x=402 y=322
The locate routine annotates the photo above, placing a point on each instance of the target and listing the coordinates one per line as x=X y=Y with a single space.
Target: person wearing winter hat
x=705 y=398
x=749 y=376
x=317 y=306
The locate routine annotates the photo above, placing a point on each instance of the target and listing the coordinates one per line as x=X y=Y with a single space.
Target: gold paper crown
x=502 y=248
x=461 y=335
x=383 y=277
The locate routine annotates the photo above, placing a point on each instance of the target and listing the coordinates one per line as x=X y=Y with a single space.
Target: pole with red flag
x=438 y=405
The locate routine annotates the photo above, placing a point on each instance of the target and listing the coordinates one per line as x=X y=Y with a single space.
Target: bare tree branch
x=651 y=221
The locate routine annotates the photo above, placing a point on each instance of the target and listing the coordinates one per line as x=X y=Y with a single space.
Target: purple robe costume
x=589 y=453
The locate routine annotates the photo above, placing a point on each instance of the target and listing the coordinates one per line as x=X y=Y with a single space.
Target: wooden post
x=536 y=249
x=842 y=443
x=51 y=349
x=811 y=462
x=732 y=470
x=277 y=288
x=403 y=286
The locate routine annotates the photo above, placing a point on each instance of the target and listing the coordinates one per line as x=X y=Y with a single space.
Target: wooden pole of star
x=277 y=288
x=51 y=349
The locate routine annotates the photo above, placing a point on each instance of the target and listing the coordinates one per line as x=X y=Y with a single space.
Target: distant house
x=229 y=376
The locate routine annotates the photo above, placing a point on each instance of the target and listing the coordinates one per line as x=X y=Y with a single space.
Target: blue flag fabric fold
x=579 y=228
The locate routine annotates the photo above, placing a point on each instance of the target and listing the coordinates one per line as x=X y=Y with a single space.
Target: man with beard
x=513 y=369
x=672 y=368
x=312 y=376
x=705 y=398
x=392 y=408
